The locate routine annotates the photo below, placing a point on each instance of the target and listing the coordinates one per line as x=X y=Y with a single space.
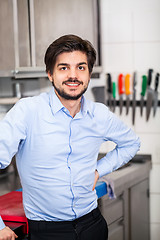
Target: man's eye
x=63 y=68
x=81 y=68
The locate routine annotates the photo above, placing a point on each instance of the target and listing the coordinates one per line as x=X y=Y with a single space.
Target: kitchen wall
x=131 y=42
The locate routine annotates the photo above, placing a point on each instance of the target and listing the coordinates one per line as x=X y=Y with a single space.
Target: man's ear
x=50 y=76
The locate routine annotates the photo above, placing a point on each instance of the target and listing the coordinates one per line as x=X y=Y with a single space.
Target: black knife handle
x=109 y=83
x=156 y=81
x=150 y=76
x=134 y=79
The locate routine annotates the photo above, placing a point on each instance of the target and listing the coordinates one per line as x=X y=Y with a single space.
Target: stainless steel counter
x=128 y=215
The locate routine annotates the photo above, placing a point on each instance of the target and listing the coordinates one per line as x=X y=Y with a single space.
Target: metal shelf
x=8 y=100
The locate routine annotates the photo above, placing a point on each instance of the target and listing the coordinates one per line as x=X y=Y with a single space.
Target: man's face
x=71 y=75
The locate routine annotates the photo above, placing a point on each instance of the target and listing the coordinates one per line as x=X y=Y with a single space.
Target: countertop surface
x=136 y=170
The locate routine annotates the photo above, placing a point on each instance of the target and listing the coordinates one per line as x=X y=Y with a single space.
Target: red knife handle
x=120 y=84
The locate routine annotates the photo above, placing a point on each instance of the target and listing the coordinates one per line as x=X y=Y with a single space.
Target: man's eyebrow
x=62 y=64
x=81 y=63
x=66 y=64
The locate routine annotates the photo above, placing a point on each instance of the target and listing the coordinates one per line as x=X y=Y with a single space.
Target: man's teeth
x=72 y=84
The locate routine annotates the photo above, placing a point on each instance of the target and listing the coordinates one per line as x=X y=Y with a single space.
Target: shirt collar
x=54 y=101
x=86 y=107
x=56 y=104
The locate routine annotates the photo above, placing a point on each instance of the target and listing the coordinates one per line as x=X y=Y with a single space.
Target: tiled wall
x=131 y=42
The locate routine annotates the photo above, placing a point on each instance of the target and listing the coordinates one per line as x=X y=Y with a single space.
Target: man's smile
x=72 y=83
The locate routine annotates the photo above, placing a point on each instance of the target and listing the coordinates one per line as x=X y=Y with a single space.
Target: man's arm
x=127 y=144
x=12 y=131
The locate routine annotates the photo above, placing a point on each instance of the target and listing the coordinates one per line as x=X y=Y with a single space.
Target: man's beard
x=67 y=96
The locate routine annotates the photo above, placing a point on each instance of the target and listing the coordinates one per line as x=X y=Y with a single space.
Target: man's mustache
x=70 y=80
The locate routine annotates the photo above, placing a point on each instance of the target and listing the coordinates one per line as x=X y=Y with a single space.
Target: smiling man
x=56 y=137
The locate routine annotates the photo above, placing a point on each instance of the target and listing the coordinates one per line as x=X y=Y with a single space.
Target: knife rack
x=131 y=103
x=99 y=96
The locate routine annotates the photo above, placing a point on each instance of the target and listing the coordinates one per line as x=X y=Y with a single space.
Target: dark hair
x=69 y=43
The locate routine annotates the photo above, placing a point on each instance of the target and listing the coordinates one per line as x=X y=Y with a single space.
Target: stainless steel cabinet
x=27 y=28
x=139 y=211
x=23 y=34
x=7 y=59
x=116 y=231
x=14 y=34
x=113 y=212
x=54 y=18
x=128 y=215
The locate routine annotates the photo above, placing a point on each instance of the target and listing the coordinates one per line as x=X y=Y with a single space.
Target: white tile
x=155 y=208
x=151 y=126
x=117 y=27
x=155 y=231
x=150 y=144
x=155 y=179
x=117 y=57
x=145 y=5
x=146 y=26
x=116 y=5
x=146 y=55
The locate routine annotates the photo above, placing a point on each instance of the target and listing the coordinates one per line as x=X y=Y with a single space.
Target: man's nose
x=73 y=73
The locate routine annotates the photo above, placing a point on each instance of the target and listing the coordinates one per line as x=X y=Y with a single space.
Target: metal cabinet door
x=55 y=18
x=139 y=211
x=14 y=35
x=7 y=60
x=116 y=231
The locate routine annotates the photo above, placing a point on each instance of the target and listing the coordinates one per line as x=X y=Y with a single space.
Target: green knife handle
x=114 y=89
x=144 y=85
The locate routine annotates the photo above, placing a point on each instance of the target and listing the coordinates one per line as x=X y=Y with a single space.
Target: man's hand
x=7 y=234
x=95 y=179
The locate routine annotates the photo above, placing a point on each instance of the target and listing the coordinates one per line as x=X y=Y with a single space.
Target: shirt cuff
x=2 y=225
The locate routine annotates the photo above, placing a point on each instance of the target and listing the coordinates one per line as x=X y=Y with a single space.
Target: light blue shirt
x=56 y=154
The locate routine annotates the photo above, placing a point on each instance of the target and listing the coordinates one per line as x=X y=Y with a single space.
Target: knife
x=127 y=92
x=114 y=95
x=120 y=90
x=144 y=87
x=156 y=94
x=150 y=94
x=134 y=97
x=109 y=89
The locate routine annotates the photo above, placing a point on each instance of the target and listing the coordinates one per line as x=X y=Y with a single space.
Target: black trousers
x=91 y=226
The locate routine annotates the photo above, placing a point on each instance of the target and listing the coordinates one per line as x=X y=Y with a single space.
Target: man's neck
x=73 y=106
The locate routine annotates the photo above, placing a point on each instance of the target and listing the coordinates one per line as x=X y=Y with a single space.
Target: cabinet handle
x=148 y=193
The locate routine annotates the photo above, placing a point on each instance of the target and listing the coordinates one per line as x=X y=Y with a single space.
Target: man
x=56 y=137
